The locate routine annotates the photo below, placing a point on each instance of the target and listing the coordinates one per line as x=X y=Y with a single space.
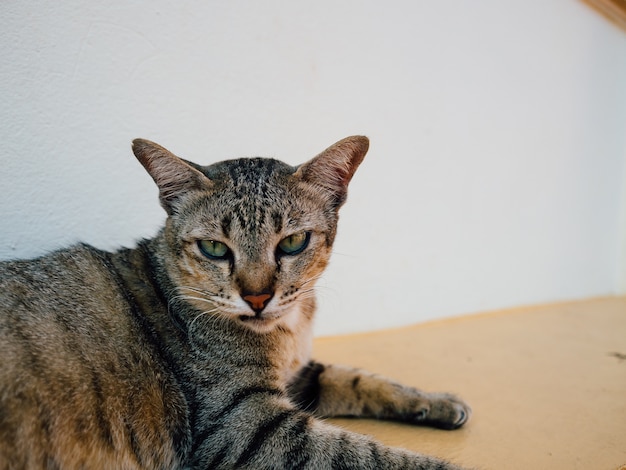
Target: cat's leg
x=261 y=429
x=331 y=390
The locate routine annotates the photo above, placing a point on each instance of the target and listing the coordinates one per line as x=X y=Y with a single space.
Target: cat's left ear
x=174 y=176
x=334 y=167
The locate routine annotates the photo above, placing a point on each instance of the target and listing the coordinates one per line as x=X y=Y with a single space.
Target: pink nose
x=257 y=301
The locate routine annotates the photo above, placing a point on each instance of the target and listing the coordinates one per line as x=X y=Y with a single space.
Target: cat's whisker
x=324 y=290
x=345 y=255
x=196 y=290
x=306 y=293
x=201 y=314
x=310 y=280
x=190 y=297
x=207 y=314
x=306 y=297
x=326 y=293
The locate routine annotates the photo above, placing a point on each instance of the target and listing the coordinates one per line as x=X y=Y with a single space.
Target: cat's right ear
x=173 y=176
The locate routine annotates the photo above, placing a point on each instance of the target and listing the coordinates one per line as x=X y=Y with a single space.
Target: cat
x=193 y=349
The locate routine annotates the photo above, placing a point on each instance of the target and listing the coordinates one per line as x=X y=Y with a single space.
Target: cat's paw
x=440 y=410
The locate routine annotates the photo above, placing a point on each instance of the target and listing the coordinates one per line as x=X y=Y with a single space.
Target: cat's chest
x=228 y=354
x=295 y=353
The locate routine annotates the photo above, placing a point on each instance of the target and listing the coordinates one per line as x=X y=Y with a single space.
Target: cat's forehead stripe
x=252 y=171
x=277 y=219
x=251 y=188
x=225 y=225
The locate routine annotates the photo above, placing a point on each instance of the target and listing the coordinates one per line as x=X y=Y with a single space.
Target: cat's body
x=192 y=350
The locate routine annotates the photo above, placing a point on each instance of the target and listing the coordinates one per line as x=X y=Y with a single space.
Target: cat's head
x=247 y=239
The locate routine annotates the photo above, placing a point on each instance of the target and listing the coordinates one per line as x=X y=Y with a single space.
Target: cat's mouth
x=262 y=322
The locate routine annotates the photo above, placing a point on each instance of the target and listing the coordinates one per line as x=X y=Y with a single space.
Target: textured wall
x=496 y=171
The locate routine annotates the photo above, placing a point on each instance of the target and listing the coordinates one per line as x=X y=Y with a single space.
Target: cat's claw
x=460 y=414
x=444 y=412
x=463 y=417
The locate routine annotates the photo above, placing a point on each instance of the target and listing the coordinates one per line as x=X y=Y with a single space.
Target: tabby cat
x=192 y=350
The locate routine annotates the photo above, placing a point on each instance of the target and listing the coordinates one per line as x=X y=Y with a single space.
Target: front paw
x=439 y=410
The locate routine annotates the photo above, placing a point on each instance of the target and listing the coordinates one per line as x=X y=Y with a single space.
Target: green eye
x=213 y=249
x=294 y=244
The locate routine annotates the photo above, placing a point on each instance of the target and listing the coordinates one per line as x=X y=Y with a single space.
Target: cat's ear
x=334 y=167
x=174 y=176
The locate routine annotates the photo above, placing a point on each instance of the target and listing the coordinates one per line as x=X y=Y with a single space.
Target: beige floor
x=547 y=384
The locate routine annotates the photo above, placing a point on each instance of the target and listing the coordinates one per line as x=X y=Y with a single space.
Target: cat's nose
x=257 y=301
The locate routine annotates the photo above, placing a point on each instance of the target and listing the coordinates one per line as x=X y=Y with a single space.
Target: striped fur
x=167 y=355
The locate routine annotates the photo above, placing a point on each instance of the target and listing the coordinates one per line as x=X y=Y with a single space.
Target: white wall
x=496 y=171
x=621 y=265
